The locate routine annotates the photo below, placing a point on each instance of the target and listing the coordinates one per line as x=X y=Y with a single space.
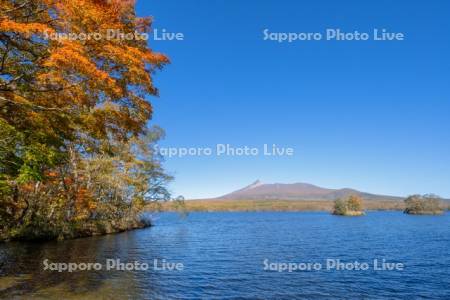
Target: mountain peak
x=253 y=185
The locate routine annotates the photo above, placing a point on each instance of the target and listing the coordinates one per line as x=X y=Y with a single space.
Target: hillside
x=299 y=191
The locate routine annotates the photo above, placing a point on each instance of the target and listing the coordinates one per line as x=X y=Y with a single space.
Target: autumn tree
x=340 y=207
x=354 y=203
x=74 y=111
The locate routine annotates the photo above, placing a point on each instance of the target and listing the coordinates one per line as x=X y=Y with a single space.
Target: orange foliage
x=26 y=29
x=101 y=82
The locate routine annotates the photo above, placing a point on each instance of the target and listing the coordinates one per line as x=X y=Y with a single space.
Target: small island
x=352 y=206
x=424 y=205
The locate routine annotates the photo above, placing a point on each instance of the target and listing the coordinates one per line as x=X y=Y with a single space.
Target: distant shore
x=211 y=205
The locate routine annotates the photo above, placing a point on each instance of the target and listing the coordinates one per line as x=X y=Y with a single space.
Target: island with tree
x=424 y=205
x=352 y=206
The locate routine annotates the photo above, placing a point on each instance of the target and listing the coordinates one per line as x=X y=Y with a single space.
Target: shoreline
x=91 y=229
x=208 y=205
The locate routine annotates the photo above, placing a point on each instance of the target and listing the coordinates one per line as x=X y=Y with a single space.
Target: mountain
x=297 y=191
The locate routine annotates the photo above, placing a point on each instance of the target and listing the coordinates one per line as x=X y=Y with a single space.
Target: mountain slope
x=297 y=191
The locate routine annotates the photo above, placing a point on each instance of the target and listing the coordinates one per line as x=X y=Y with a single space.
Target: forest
x=77 y=152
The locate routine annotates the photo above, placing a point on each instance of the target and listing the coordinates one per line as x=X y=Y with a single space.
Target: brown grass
x=274 y=205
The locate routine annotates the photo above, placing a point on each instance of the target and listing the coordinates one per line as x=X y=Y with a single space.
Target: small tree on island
x=340 y=207
x=354 y=203
x=352 y=206
x=421 y=205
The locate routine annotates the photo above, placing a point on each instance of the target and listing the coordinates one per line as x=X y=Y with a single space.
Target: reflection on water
x=23 y=271
x=223 y=256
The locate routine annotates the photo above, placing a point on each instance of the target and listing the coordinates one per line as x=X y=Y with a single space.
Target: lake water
x=223 y=256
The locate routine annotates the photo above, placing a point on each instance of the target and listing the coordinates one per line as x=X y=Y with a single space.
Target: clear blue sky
x=369 y=115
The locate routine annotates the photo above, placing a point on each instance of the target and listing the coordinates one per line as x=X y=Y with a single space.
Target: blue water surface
x=223 y=256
